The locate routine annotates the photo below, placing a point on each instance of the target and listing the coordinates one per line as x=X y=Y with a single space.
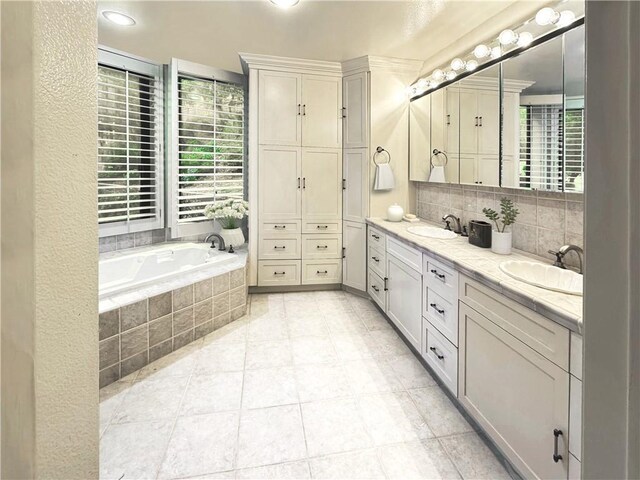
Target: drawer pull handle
x=377 y=237
x=322 y=227
x=321 y=272
x=385 y=284
x=433 y=349
x=322 y=247
x=375 y=288
x=375 y=259
x=556 y=435
x=279 y=227
x=279 y=273
x=435 y=307
x=279 y=248
x=440 y=276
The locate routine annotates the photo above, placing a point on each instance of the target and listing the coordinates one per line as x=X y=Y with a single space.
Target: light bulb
x=525 y=39
x=566 y=18
x=285 y=3
x=481 y=51
x=450 y=75
x=119 y=18
x=423 y=83
x=471 y=65
x=546 y=16
x=437 y=74
x=507 y=37
x=496 y=52
x=457 y=64
x=410 y=91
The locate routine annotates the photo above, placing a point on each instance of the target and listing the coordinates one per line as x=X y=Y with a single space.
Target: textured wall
x=49 y=269
x=546 y=220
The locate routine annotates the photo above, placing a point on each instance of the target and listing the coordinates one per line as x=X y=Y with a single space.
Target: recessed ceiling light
x=118 y=18
x=285 y=3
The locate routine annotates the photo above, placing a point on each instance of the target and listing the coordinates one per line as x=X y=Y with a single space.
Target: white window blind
x=541 y=137
x=574 y=150
x=129 y=144
x=209 y=143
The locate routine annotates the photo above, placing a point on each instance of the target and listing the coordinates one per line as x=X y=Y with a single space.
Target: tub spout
x=215 y=236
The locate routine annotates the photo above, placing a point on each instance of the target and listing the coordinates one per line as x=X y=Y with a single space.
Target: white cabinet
x=355 y=110
x=279 y=188
x=438 y=125
x=280 y=108
x=452 y=120
x=321 y=185
x=488 y=122
x=404 y=298
x=321 y=112
x=354 y=263
x=355 y=196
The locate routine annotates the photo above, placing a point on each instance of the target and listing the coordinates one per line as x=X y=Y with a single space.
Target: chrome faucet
x=222 y=247
x=458 y=227
x=562 y=252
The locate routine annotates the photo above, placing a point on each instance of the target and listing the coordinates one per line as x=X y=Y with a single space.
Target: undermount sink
x=432 y=232
x=544 y=276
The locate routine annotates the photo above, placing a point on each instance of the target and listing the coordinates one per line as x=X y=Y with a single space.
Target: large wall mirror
x=515 y=124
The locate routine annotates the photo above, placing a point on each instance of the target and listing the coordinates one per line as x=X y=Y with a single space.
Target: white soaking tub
x=150 y=266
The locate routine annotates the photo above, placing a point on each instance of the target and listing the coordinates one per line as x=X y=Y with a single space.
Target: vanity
x=509 y=353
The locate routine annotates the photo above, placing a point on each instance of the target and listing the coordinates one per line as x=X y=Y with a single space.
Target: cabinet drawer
x=279 y=272
x=377 y=260
x=377 y=239
x=321 y=271
x=321 y=246
x=288 y=227
x=279 y=247
x=539 y=333
x=442 y=314
x=440 y=278
x=376 y=290
x=409 y=255
x=441 y=355
x=331 y=226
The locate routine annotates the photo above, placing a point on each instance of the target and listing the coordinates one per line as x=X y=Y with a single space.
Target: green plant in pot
x=501 y=240
x=229 y=214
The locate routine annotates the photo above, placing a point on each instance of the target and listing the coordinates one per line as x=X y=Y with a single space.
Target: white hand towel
x=384 y=177
x=437 y=175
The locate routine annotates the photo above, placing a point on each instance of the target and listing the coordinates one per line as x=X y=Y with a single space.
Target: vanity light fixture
x=450 y=75
x=119 y=18
x=284 y=3
x=525 y=39
x=549 y=16
x=481 y=51
x=457 y=64
x=471 y=65
x=496 y=52
x=507 y=37
x=437 y=74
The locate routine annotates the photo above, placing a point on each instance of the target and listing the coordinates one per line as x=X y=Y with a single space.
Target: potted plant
x=501 y=240
x=229 y=213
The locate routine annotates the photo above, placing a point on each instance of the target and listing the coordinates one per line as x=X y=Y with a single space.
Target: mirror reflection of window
x=574 y=88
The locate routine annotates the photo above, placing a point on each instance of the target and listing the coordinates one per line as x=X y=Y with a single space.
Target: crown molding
x=288 y=64
x=370 y=63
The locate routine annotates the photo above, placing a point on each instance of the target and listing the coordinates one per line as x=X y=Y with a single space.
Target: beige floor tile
x=234 y=332
x=354 y=347
x=283 y=471
x=345 y=322
x=309 y=324
x=321 y=382
x=417 y=460
x=219 y=392
x=313 y=350
x=151 y=399
x=371 y=376
x=177 y=364
x=441 y=415
x=362 y=465
x=215 y=358
x=410 y=371
x=269 y=387
x=111 y=398
x=269 y=436
x=201 y=444
x=473 y=458
x=267 y=328
x=389 y=343
x=275 y=353
x=374 y=320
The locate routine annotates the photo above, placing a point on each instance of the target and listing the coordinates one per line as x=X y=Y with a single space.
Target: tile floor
x=307 y=385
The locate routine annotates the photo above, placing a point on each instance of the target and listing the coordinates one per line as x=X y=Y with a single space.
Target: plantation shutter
x=211 y=144
x=574 y=150
x=129 y=146
x=541 y=137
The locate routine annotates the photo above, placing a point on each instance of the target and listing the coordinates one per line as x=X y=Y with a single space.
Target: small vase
x=501 y=242
x=232 y=236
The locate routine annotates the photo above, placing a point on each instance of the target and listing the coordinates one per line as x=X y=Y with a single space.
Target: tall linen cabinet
x=295 y=171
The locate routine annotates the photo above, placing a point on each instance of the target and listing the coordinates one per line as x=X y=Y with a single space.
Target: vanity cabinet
x=355 y=110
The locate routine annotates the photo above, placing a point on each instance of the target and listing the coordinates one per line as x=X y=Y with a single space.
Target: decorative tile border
x=134 y=335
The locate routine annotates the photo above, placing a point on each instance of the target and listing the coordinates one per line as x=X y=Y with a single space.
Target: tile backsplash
x=547 y=220
x=130 y=240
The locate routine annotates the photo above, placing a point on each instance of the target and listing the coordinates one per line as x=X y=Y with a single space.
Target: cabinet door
x=420 y=139
x=511 y=124
x=354 y=263
x=404 y=299
x=355 y=103
x=489 y=124
x=518 y=396
x=468 y=122
x=438 y=121
x=488 y=170
x=279 y=183
x=452 y=121
x=279 y=108
x=321 y=111
x=468 y=169
x=508 y=175
x=321 y=185
x=355 y=196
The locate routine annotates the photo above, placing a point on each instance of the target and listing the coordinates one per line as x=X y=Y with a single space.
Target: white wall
x=49 y=326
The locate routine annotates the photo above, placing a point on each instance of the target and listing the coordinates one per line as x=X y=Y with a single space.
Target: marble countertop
x=483 y=265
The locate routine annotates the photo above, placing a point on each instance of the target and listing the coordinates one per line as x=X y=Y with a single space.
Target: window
x=574 y=149
x=129 y=144
x=208 y=143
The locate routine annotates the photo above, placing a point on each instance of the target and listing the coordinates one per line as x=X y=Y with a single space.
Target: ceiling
x=213 y=32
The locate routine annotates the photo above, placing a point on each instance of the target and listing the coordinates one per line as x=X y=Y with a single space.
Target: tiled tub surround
x=151 y=322
x=483 y=265
x=547 y=220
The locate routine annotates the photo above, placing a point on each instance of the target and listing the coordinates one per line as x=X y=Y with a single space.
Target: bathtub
x=149 y=266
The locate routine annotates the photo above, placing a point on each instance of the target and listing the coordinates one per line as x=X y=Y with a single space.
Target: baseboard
x=295 y=288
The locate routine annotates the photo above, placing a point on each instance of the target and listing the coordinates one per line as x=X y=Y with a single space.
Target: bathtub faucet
x=222 y=247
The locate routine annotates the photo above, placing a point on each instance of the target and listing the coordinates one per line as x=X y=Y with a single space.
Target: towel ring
x=437 y=152
x=378 y=151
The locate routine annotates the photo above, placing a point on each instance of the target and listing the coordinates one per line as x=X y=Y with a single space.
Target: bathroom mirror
x=574 y=89
x=533 y=145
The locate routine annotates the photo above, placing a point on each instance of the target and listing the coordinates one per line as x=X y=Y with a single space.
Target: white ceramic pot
x=232 y=236
x=501 y=242
x=395 y=213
